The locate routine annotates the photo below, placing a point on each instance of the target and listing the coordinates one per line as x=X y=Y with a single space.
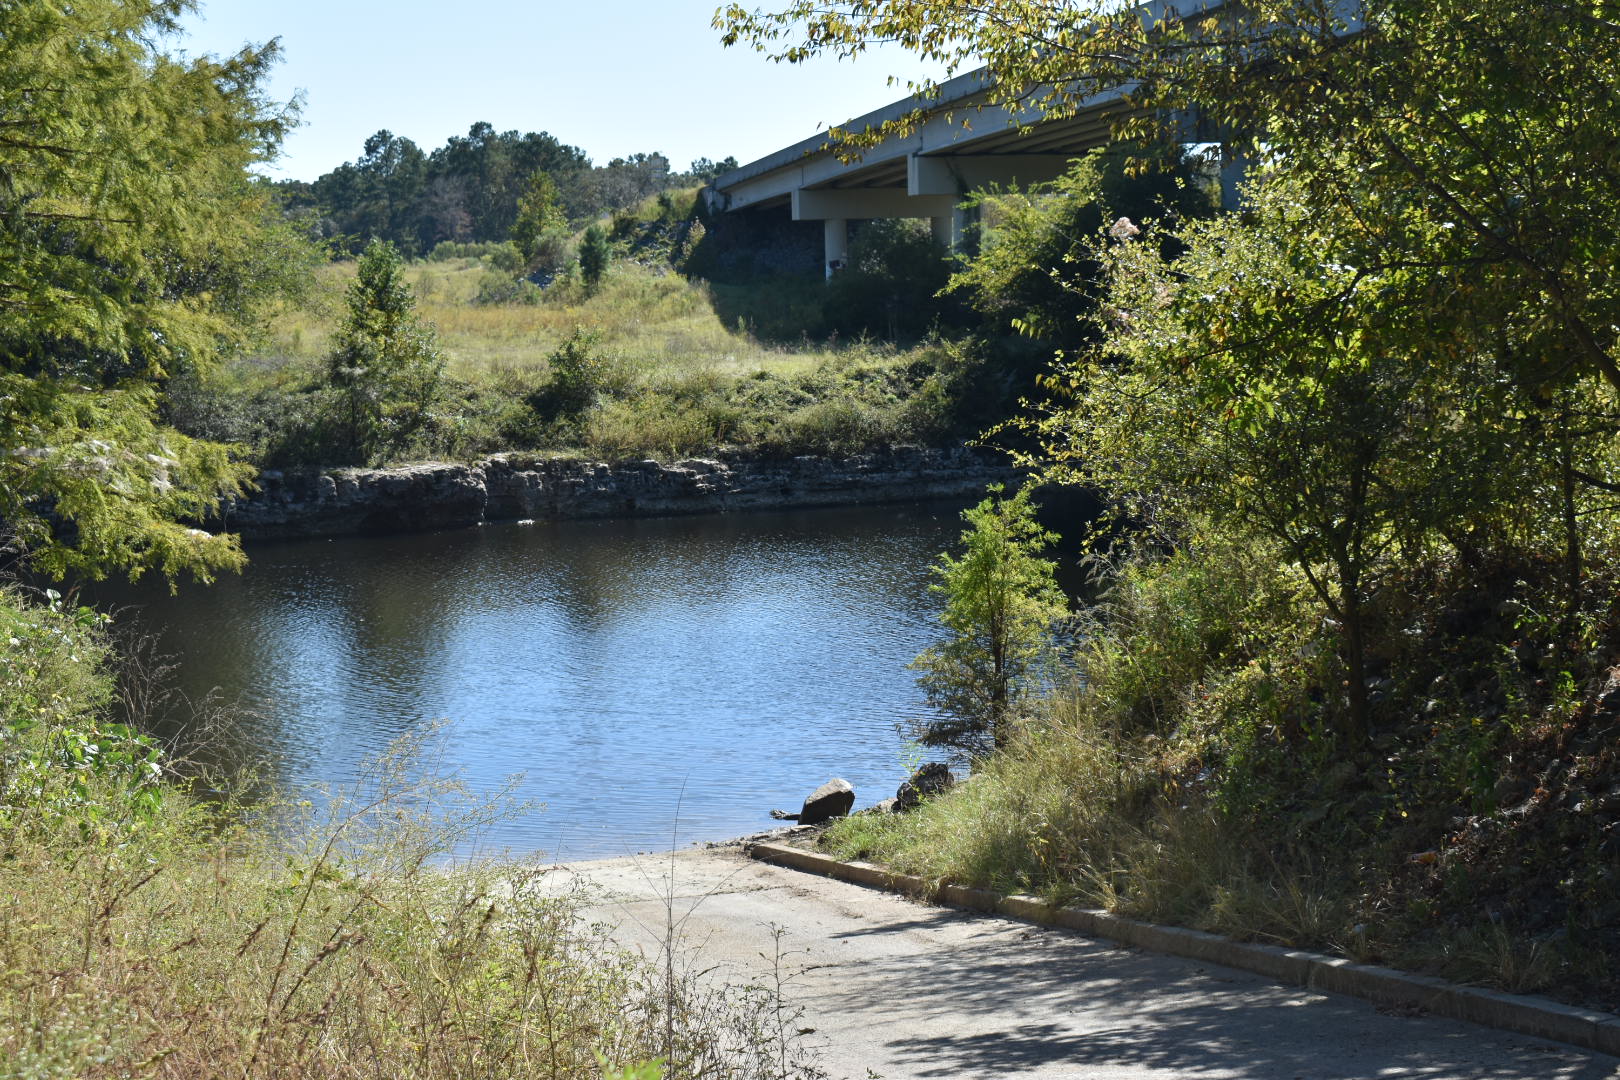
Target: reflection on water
x=652 y=679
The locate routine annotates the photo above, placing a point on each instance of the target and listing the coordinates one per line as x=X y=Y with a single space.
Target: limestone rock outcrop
x=509 y=487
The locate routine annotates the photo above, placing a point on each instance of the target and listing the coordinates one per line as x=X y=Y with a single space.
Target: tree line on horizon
x=469 y=189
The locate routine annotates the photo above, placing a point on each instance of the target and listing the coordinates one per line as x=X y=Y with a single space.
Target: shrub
x=890 y=287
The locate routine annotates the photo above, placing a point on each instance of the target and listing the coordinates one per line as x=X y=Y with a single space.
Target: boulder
x=830 y=800
x=931 y=779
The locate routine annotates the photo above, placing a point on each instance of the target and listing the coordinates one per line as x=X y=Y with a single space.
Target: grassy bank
x=145 y=932
x=642 y=366
x=1185 y=772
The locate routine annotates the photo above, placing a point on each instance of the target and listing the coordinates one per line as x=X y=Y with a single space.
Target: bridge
x=965 y=144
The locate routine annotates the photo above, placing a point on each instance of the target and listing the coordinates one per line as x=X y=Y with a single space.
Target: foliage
x=896 y=269
x=1361 y=442
x=385 y=363
x=63 y=765
x=673 y=381
x=473 y=189
x=1413 y=127
x=1327 y=434
x=1002 y=605
x=594 y=257
x=704 y=170
x=1034 y=273
x=579 y=375
x=541 y=230
x=137 y=246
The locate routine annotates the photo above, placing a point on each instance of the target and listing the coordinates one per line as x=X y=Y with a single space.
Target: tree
x=540 y=229
x=1478 y=125
x=594 y=257
x=1407 y=342
x=135 y=245
x=704 y=170
x=1002 y=604
x=1034 y=274
x=1248 y=385
x=385 y=362
x=618 y=185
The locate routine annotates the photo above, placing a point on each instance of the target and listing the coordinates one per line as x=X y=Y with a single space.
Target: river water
x=654 y=681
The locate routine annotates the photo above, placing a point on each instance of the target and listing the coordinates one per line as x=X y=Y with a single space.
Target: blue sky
x=613 y=77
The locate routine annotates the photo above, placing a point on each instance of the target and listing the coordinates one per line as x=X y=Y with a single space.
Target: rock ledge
x=509 y=487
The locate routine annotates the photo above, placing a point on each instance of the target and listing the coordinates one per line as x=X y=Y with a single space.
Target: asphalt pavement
x=902 y=990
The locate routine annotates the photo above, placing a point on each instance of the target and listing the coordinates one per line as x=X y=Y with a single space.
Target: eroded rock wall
x=413 y=498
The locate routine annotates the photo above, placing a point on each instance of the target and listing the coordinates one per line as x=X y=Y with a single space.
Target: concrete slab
x=903 y=990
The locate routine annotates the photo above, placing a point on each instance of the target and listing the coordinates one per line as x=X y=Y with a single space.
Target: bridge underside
x=925 y=175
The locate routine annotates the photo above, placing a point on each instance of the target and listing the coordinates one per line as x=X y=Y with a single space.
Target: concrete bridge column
x=954 y=231
x=835 y=242
x=1234 y=170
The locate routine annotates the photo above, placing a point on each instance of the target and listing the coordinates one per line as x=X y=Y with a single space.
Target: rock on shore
x=412 y=498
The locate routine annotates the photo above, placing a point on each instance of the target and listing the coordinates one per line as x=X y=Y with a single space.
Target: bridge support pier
x=835 y=243
x=1234 y=170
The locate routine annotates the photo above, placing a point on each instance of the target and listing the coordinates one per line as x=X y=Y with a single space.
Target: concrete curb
x=1520 y=1013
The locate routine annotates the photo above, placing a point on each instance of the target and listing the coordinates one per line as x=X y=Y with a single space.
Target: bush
x=505 y=257
x=495 y=287
x=890 y=288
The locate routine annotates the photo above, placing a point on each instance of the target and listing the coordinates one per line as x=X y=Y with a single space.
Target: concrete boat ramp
x=897 y=989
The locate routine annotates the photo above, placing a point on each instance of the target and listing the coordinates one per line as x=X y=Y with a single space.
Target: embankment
x=438 y=495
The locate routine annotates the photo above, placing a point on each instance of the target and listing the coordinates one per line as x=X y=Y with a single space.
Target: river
x=652 y=681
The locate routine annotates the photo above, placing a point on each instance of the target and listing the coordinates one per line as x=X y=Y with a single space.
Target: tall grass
x=655 y=317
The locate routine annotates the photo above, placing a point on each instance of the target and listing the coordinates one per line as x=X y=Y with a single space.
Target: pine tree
x=594 y=256
x=135 y=244
x=1002 y=605
x=385 y=363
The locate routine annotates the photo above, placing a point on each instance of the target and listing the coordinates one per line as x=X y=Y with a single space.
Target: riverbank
x=508 y=487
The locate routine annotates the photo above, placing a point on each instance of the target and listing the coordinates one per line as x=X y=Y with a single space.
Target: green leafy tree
x=1414 y=348
x=1034 y=274
x=1250 y=385
x=594 y=257
x=385 y=362
x=541 y=229
x=136 y=245
x=1002 y=605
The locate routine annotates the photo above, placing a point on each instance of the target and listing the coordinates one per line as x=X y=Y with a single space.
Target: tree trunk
x=1572 y=537
x=1355 y=663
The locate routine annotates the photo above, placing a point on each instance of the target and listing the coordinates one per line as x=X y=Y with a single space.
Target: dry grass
x=658 y=320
